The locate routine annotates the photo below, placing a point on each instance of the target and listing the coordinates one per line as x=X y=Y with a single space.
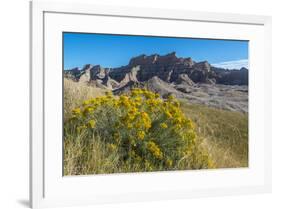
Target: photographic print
x=137 y=103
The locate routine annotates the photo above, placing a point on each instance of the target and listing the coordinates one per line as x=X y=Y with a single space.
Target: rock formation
x=168 y=74
x=168 y=68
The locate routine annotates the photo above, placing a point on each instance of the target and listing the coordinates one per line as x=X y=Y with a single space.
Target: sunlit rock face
x=169 y=68
x=199 y=82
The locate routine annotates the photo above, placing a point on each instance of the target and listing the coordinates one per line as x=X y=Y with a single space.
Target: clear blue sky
x=116 y=50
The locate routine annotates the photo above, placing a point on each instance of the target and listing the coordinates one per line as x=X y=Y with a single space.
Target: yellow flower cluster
x=163 y=125
x=155 y=150
x=92 y=123
x=76 y=111
x=143 y=127
x=141 y=134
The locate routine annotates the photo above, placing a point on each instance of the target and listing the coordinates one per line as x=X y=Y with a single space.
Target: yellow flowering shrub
x=148 y=132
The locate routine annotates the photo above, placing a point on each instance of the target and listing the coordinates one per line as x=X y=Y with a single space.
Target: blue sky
x=116 y=50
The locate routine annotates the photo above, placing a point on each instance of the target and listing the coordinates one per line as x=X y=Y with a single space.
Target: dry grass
x=223 y=133
x=77 y=92
x=84 y=157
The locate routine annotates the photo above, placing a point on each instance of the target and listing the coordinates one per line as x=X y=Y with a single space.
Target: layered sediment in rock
x=197 y=81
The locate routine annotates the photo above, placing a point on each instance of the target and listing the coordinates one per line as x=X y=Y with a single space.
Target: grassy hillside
x=223 y=133
x=77 y=92
x=221 y=139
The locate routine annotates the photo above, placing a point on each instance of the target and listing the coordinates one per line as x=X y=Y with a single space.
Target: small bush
x=145 y=133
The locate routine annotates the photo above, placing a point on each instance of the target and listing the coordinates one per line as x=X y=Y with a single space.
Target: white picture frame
x=49 y=188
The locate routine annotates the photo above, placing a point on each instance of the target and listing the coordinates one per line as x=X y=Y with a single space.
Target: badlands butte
x=188 y=80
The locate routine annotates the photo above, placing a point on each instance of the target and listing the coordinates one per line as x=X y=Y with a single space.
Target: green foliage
x=131 y=133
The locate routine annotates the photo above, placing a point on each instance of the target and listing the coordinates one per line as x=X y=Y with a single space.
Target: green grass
x=223 y=133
